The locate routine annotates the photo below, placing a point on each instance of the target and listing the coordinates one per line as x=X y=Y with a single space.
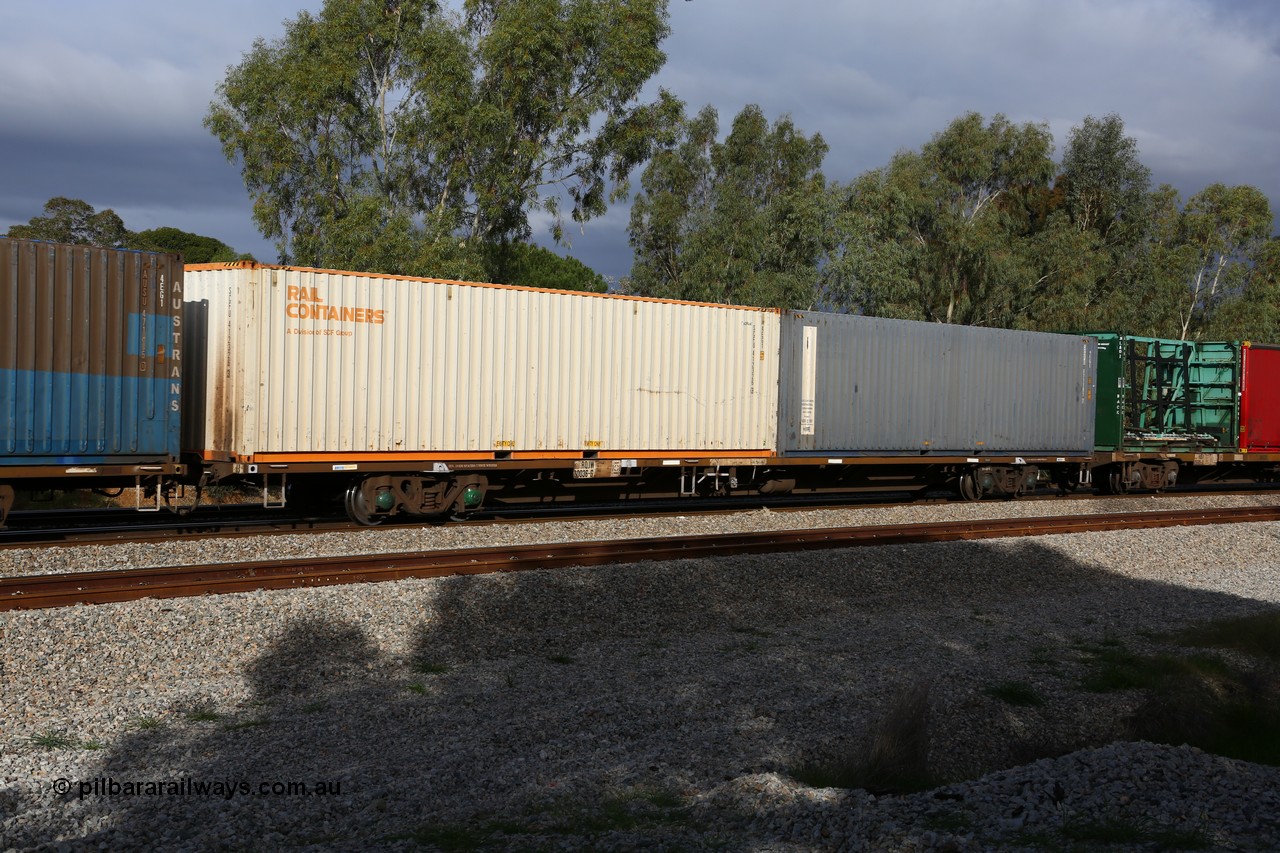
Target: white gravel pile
x=648 y=707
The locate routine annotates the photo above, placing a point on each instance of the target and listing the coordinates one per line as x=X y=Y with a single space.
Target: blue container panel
x=85 y=418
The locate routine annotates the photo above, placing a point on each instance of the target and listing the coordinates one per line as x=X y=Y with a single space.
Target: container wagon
x=991 y=411
x=90 y=357
x=1174 y=411
x=425 y=395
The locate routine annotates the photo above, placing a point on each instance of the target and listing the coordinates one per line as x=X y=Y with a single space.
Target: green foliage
x=1103 y=185
x=405 y=137
x=945 y=234
x=146 y=723
x=744 y=220
x=1220 y=231
x=533 y=266
x=203 y=714
x=195 y=248
x=71 y=220
x=54 y=740
x=975 y=228
x=1093 y=225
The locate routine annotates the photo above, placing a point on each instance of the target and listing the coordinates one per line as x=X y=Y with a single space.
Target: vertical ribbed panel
x=87 y=354
x=904 y=387
x=429 y=366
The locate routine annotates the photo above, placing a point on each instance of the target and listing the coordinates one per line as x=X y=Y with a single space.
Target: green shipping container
x=1164 y=395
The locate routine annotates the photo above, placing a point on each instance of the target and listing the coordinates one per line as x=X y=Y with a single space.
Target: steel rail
x=43 y=591
x=210 y=525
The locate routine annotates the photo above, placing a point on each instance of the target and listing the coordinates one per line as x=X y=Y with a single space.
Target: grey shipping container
x=853 y=385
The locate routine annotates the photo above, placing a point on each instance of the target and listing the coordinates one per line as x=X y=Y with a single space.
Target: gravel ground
x=648 y=707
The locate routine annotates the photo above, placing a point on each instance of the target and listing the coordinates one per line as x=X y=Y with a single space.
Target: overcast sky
x=105 y=101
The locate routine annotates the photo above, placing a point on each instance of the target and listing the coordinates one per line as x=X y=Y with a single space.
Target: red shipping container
x=1260 y=399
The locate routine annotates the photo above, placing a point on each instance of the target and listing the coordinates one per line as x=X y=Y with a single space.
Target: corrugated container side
x=89 y=354
x=313 y=361
x=1260 y=399
x=854 y=385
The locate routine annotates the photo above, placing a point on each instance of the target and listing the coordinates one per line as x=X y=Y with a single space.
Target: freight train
x=403 y=396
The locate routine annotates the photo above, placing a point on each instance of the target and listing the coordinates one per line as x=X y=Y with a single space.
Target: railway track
x=44 y=591
x=71 y=528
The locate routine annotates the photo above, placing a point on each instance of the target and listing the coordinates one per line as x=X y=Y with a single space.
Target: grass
x=1227 y=706
x=417 y=687
x=203 y=714
x=248 y=724
x=894 y=760
x=427 y=667
x=1257 y=635
x=146 y=723
x=1046 y=659
x=1015 y=693
x=561 y=659
x=1236 y=715
x=1199 y=698
x=57 y=740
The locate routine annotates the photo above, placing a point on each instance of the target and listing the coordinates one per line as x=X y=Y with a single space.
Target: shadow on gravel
x=596 y=707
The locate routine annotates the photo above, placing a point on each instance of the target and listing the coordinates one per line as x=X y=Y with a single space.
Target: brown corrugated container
x=89 y=355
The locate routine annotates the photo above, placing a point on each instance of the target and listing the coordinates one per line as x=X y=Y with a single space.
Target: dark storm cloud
x=105 y=101
x=184 y=183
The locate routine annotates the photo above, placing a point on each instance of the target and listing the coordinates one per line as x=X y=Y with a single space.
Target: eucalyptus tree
x=1104 y=192
x=73 y=220
x=431 y=130
x=1254 y=314
x=940 y=234
x=1222 y=229
x=742 y=220
x=1104 y=182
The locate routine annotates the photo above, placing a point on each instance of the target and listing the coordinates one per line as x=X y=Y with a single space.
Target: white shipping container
x=853 y=385
x=304 y=361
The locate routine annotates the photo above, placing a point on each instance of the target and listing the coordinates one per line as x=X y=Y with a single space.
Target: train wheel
x=969 y=487
x=359 y=508
x=1117 y=481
